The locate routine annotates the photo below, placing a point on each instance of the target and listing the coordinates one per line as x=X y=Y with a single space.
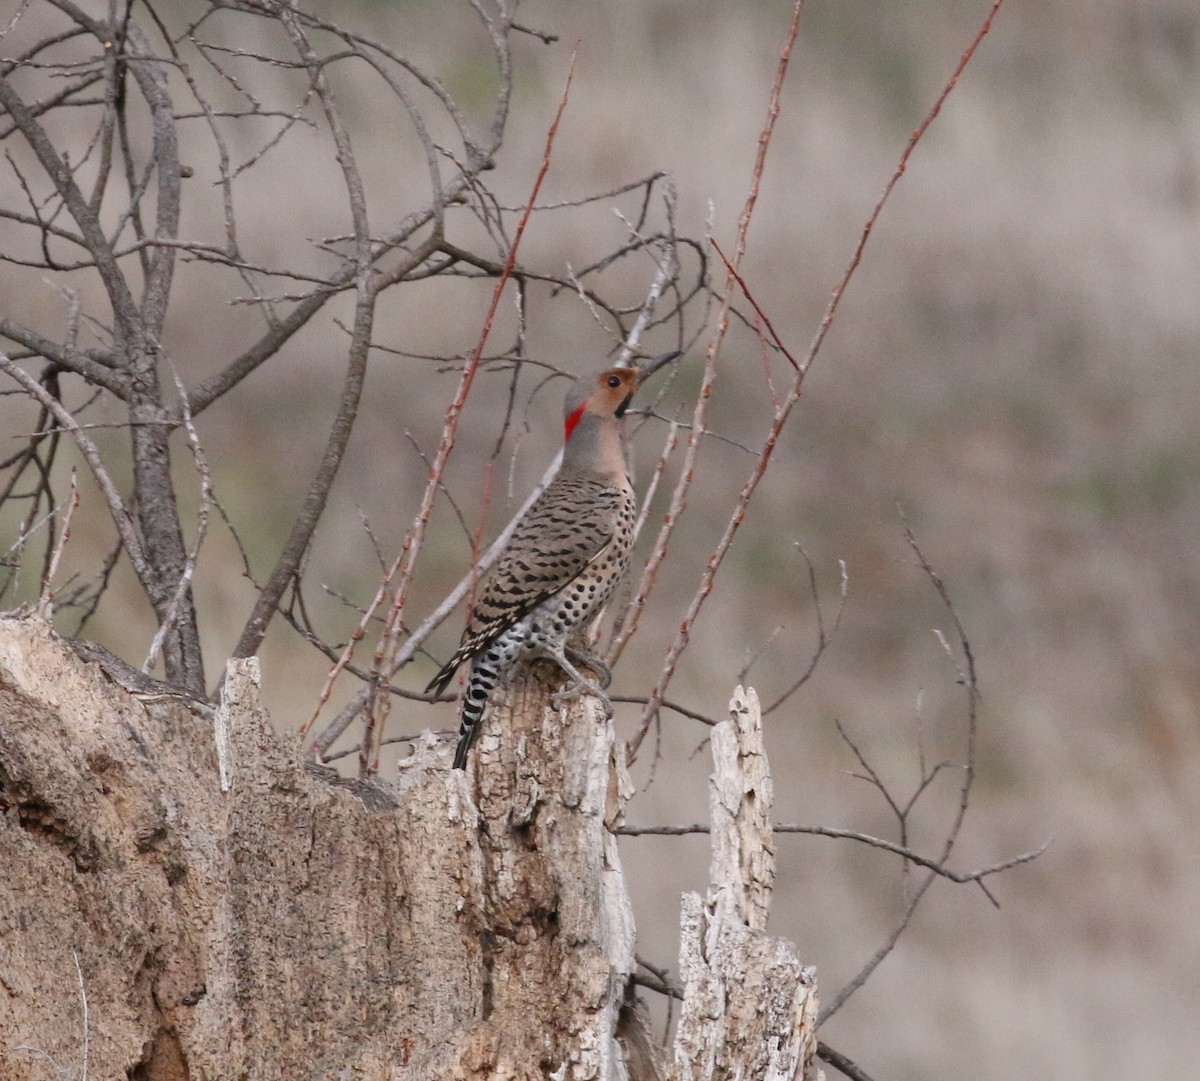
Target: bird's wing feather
x=557 y=540
x=565 y=530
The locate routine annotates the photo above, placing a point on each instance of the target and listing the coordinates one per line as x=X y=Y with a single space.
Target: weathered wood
x=556 y=926
x=235 y=913
x=749 y=1005
x=282 y=926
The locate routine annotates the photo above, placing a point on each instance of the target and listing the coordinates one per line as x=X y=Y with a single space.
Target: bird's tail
x=445 y=674
x=475 y=700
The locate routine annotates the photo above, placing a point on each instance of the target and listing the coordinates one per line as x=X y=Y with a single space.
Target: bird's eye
x=614 y=381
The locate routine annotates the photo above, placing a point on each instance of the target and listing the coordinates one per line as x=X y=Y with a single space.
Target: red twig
x=347 y=653
x=913 y=139
x=369 y=755
x=754 y=304
x=678 y=497
x=784 y=410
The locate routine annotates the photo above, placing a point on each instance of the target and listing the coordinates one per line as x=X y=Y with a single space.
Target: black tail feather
x=475 y=700
x=441 y=681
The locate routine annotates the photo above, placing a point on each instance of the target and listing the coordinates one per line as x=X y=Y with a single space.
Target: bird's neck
x=594 y=448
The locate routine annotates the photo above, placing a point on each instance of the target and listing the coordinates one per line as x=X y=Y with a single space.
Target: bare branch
x=58 y=171
x=119 y=512
x=936 y=866
x=368 y=760
x=95 y=370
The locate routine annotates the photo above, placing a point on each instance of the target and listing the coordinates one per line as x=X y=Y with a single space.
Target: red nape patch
x=572 y=420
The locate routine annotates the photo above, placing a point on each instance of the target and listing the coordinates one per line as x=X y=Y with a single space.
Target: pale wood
x=266 y=922
x=749 y=1004
x=559 y=947
x=237 y=913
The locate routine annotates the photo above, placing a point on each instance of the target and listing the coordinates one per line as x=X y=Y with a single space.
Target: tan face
x=612 y=391
x=609 y=393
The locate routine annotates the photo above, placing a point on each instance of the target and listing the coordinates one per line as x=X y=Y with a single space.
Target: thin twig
x=368 y=760
x=45 y=605
x=754 y=304
x=936 y=866
x=678 y=498
x=116 y=505
x=824 y=637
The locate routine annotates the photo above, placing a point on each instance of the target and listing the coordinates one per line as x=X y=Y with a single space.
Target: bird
x=563 y=560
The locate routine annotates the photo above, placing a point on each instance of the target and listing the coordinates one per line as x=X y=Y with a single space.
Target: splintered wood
x=749 y=1006
x=229 y=910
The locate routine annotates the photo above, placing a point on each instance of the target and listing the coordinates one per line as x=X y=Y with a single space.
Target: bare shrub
x=133 y=141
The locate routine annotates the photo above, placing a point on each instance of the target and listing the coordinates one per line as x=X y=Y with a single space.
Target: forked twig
x=824 y=637
x=968 y=678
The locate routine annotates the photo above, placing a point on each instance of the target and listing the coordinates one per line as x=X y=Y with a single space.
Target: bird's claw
x=594 y=663
x=576 y=690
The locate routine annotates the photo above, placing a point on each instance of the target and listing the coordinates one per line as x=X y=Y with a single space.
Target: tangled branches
x=136 y=144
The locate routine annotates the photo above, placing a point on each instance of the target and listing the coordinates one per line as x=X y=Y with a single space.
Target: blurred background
x=1014 y=365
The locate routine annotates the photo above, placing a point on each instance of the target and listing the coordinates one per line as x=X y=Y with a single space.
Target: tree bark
x=749 y=1005
x=182 y=899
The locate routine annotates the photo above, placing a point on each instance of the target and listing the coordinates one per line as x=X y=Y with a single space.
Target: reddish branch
x=380 y=702
x=783 y=410
x=754 y=304
x=679 y=496
x=840 y=288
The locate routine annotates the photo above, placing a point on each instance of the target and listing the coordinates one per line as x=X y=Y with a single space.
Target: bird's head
x=606 y=396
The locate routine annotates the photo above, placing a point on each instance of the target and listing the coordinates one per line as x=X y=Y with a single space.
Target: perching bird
x=563 y=560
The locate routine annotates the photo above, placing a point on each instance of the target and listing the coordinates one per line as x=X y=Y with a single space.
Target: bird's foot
x=594 y=663
x=577 y=690
x=579 y=686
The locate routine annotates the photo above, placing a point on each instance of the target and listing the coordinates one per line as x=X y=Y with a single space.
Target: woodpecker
x=564 y=558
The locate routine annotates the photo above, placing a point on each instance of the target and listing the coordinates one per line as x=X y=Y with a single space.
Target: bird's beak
x=652 y=366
